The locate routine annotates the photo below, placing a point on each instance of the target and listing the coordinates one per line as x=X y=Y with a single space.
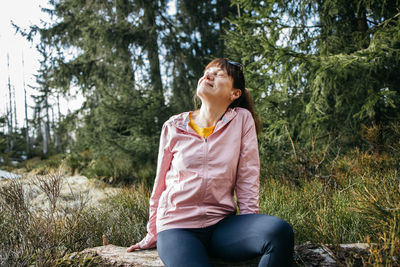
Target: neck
x=208 y=115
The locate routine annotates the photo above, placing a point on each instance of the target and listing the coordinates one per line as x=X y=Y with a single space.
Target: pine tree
x=193 y=38
x=319 y=70
x=115 y=65
x=27 y=140
x=111 y=50
x=42 y=106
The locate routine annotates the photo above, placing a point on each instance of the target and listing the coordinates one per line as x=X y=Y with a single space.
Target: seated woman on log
x=204 y=157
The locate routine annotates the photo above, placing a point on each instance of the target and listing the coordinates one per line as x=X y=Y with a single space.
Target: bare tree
x=15 y=109
x=26 y=107
x=9 y=113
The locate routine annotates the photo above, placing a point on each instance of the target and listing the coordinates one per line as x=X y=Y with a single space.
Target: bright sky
x=23 y=13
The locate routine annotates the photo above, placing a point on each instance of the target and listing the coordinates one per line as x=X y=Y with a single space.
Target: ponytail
x=245 y=101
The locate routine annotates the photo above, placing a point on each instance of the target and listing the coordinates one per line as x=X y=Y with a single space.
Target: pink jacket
x=196 y=177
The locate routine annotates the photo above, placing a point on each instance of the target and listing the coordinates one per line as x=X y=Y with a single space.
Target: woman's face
x=216 y=86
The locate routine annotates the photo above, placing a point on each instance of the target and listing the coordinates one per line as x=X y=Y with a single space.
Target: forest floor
x=73 y=189
x=122 y=206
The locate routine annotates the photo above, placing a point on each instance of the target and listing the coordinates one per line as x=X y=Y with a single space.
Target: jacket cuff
x=150 y=241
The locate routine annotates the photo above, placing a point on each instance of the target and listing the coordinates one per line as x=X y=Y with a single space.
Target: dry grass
x=360 y=202
x=38 y=237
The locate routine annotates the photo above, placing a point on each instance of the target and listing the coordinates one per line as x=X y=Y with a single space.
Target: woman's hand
x=132 y=248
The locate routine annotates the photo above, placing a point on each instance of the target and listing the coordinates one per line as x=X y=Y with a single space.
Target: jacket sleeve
x=163 y=165
x=248 y=172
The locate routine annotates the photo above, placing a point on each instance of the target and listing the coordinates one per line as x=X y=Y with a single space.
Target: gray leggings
x=235 y=238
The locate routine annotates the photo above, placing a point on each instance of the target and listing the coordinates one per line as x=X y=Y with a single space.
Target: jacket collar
x=181 y=121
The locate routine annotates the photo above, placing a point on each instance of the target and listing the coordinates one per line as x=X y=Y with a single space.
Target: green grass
x=317 y=212
x=358 y=202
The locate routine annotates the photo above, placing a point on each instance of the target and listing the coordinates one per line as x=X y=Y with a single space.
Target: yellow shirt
x=204 y=132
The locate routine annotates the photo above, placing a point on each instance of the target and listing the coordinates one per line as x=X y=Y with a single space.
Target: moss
x=81 y=260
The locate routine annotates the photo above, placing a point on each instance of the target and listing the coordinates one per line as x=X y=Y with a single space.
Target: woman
x=204 y=157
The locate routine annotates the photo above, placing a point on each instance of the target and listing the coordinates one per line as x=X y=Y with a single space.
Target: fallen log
x=305 y=255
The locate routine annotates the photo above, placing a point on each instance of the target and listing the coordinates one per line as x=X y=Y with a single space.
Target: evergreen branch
x=299 y=27
x=371 y=21
x=291 y=142
x=383 y=23
x=275 y=105
x=26 y=33
x=167 y=21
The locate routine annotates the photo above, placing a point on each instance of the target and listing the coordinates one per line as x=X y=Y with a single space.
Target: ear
x=236 y=93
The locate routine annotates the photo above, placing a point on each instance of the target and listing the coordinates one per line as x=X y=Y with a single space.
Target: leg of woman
x=181 y=248
x=243 y=237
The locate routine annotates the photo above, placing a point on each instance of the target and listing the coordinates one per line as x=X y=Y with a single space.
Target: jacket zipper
x=205 y=170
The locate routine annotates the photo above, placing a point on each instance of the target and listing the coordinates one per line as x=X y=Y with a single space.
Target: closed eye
x=221 y=74
x=215 y=72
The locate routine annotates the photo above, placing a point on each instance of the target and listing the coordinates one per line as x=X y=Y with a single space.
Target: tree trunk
x=10 y=113
x=15 y=109
x=152 y=51
x=26 y=109
x=45 y=141
x=8 y=135
x=53 y=127
x=362 y=25
x=47 y=126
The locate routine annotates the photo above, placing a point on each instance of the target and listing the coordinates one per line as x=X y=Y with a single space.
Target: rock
x=305 y=255
x=8 y=175
x=74 y=191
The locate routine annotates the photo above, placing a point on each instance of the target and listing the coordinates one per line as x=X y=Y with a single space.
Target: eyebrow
x=217 y=69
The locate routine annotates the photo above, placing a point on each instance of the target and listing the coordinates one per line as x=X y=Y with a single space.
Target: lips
x=208 y=83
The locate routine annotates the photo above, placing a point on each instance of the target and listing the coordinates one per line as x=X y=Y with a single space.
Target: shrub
x=116 y=168
x=76 y=162
x=378 y=200
x=43 y=166
x=113 y=169
x=40 y=237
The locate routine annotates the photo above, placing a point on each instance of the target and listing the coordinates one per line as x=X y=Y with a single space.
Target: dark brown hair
x=235 y=71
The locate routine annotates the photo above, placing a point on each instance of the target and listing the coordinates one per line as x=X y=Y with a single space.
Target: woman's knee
x=180 y=247
x=276 y=230
x=279 y=243
x=281 y=229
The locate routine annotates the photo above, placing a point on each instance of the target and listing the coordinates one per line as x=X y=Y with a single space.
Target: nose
x=208 y=76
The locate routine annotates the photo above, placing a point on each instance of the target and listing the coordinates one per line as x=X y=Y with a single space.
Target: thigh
x=243 y=237
x=181 y=247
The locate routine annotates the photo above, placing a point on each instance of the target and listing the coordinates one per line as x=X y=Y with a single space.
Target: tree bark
x=26 y=109
x=152 y=49
x=362 y=25
x=10 y=113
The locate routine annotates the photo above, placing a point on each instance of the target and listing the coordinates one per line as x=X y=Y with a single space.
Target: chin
x=201 y=92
